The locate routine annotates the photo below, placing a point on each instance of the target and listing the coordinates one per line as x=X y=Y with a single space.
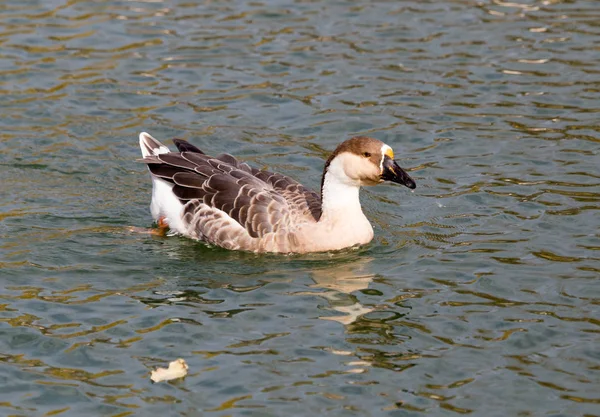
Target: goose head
x=364 y=161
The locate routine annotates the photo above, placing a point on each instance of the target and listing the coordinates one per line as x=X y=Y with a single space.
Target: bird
x=224 y=202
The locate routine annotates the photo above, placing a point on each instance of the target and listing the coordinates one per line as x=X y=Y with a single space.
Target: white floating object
x=177 y=369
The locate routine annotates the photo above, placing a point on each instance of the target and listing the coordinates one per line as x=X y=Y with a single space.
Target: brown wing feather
x=301 y=199
x=225 y=184
x=185 y=146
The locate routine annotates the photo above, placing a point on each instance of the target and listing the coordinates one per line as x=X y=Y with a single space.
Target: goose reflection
x=340 y=282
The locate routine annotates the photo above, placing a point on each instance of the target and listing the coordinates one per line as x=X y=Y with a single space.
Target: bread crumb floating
x=177 y=369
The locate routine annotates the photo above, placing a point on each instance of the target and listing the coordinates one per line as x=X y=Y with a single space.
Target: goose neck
x=339 y=198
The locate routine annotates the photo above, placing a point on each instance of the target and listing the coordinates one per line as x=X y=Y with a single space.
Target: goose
x=227 y=203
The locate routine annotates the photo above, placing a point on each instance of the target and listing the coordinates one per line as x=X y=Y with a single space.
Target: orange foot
x=163 y=228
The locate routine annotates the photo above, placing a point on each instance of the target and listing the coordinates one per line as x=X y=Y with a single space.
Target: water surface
x=479 y=294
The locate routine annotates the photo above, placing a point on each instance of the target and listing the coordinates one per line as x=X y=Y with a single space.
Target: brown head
x=365 y=161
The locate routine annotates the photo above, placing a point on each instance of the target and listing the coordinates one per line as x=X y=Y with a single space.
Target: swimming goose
x=228 y=203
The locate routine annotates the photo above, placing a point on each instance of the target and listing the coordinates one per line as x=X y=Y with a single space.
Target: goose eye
x=367 y=154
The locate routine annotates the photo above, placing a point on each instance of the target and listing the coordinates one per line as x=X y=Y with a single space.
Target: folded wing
x=260 y=201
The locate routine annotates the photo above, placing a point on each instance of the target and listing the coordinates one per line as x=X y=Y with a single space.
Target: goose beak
x=392 y=172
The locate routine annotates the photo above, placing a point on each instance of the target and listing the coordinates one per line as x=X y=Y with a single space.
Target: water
x=479 y=294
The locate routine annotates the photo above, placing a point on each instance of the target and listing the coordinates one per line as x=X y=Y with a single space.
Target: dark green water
x=479 y=294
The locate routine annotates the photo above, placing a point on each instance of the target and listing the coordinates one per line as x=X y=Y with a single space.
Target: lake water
x=479 y=294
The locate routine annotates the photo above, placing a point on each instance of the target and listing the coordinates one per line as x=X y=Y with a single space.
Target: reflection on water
x=340 y=281
x=478 y=295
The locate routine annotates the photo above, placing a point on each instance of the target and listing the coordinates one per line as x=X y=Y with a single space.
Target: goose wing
x=224 y=184
x=302 y=200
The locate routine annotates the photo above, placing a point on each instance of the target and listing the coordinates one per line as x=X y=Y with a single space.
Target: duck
x=224 y=202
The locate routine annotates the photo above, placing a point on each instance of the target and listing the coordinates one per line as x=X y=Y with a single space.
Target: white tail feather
x=151 y=146
x=165 y=205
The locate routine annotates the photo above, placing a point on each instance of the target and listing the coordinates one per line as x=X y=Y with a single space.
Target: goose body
x=227 y=203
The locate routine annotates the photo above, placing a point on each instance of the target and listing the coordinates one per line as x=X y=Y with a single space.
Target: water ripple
x=477 y=294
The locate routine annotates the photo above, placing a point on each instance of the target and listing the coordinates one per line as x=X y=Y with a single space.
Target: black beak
x=393 y=172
